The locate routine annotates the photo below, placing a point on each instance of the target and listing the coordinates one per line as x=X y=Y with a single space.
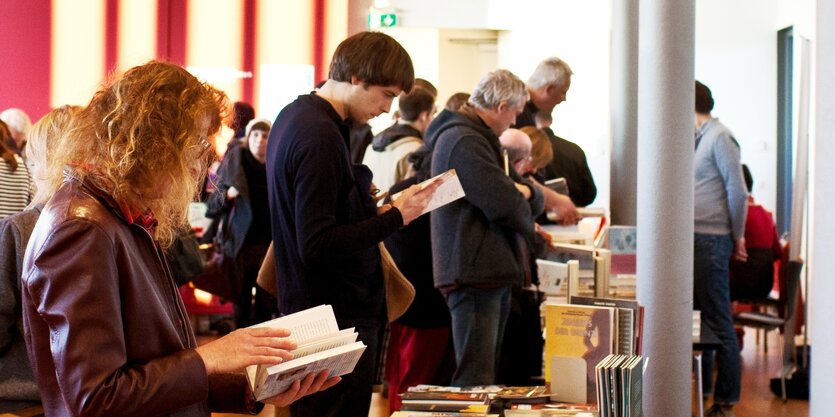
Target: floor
x=757 y=399
x=757 y=370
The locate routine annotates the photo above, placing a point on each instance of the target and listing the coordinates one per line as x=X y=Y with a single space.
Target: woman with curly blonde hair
x=106 y=331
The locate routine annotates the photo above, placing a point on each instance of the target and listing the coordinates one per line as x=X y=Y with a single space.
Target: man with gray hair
x=548 y=87
x=19 y=124
x=480 y=242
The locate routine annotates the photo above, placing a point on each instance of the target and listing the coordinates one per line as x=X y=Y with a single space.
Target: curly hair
x=143 y=140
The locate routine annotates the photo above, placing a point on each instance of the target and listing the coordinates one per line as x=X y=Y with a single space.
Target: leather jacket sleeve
x=84 y=308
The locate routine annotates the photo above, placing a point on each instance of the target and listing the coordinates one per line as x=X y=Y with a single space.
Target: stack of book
x=445 y=401
x=549 y=413
x=320 y=346
x=580 y=335
x=532 y=397
x=406 y=413
x=619 y=386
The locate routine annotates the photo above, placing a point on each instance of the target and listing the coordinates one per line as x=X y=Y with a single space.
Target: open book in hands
x=320 y=345
x=449 y=190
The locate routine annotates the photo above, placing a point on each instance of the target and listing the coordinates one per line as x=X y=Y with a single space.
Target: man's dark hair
x=749 y=180
x=375 y=59
x=242 y=113
x=456 y=100
x=426 y=85
x=413 y=104
x=704 y=99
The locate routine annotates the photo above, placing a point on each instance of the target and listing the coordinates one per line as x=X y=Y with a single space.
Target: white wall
x=578 y=33
x=737 y=59
x=735 y=56
x=531 y=30
x=451 y=59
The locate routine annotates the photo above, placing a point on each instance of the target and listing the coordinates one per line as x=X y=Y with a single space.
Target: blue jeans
x=711 y=295
x=479 y=316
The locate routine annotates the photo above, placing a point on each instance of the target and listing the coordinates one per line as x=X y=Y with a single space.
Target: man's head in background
x=18 y=123
x=549 y=84
x=518 y=145
x=417 y=108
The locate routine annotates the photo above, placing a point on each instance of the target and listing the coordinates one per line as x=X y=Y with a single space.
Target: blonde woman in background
x=18 y=390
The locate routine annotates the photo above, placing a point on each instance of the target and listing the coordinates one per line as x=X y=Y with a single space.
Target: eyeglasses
x=202 y=148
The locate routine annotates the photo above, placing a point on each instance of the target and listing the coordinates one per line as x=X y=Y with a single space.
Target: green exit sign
x=382 y=20
x=388 y=20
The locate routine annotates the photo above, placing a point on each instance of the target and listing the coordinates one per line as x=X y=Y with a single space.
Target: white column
x=665 y=201
x=821 y=259
x=624 y=108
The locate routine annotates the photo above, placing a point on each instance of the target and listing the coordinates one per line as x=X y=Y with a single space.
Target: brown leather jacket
x=105 y=328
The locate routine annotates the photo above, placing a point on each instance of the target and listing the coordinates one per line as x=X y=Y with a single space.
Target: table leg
x=697 y=369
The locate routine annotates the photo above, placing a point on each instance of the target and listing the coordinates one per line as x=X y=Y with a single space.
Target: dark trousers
x=251 y=309
x=351 y=397
x=520 y=363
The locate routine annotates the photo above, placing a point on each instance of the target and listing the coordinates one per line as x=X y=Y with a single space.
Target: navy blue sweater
x=324 y=224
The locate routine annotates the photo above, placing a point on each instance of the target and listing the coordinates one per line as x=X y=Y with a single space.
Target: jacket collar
x=130 y=214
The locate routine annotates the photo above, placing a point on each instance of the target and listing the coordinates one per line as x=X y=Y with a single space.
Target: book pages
x=449 y=190
x=320 y=346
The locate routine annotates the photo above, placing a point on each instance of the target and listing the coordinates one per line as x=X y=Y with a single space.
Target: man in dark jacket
x=480 y=242
x=325 y=225
x=548 y=87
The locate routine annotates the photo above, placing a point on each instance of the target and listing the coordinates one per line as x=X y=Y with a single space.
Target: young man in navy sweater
x=325 y=225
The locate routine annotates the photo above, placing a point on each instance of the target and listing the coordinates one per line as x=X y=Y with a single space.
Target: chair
x=783 y=320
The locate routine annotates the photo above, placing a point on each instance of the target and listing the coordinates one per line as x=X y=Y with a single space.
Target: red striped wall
x=25 y=39
x=26 y=32
x=320 y=73
x=248 y=49
x=111 y=34
x=171 y=30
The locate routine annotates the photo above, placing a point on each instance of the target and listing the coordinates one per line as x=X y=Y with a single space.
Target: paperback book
x=577 y=338
x=321 y=345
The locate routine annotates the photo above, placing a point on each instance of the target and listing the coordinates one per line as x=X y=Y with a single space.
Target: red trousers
x=414 y=357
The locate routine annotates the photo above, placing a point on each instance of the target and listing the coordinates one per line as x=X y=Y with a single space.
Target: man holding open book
x=480 y=242
x=325 y=225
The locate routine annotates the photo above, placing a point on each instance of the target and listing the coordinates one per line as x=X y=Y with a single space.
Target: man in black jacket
x=548 y=87
x=325 y=226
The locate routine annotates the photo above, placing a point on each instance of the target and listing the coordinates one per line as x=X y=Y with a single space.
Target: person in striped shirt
x=15 y=181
